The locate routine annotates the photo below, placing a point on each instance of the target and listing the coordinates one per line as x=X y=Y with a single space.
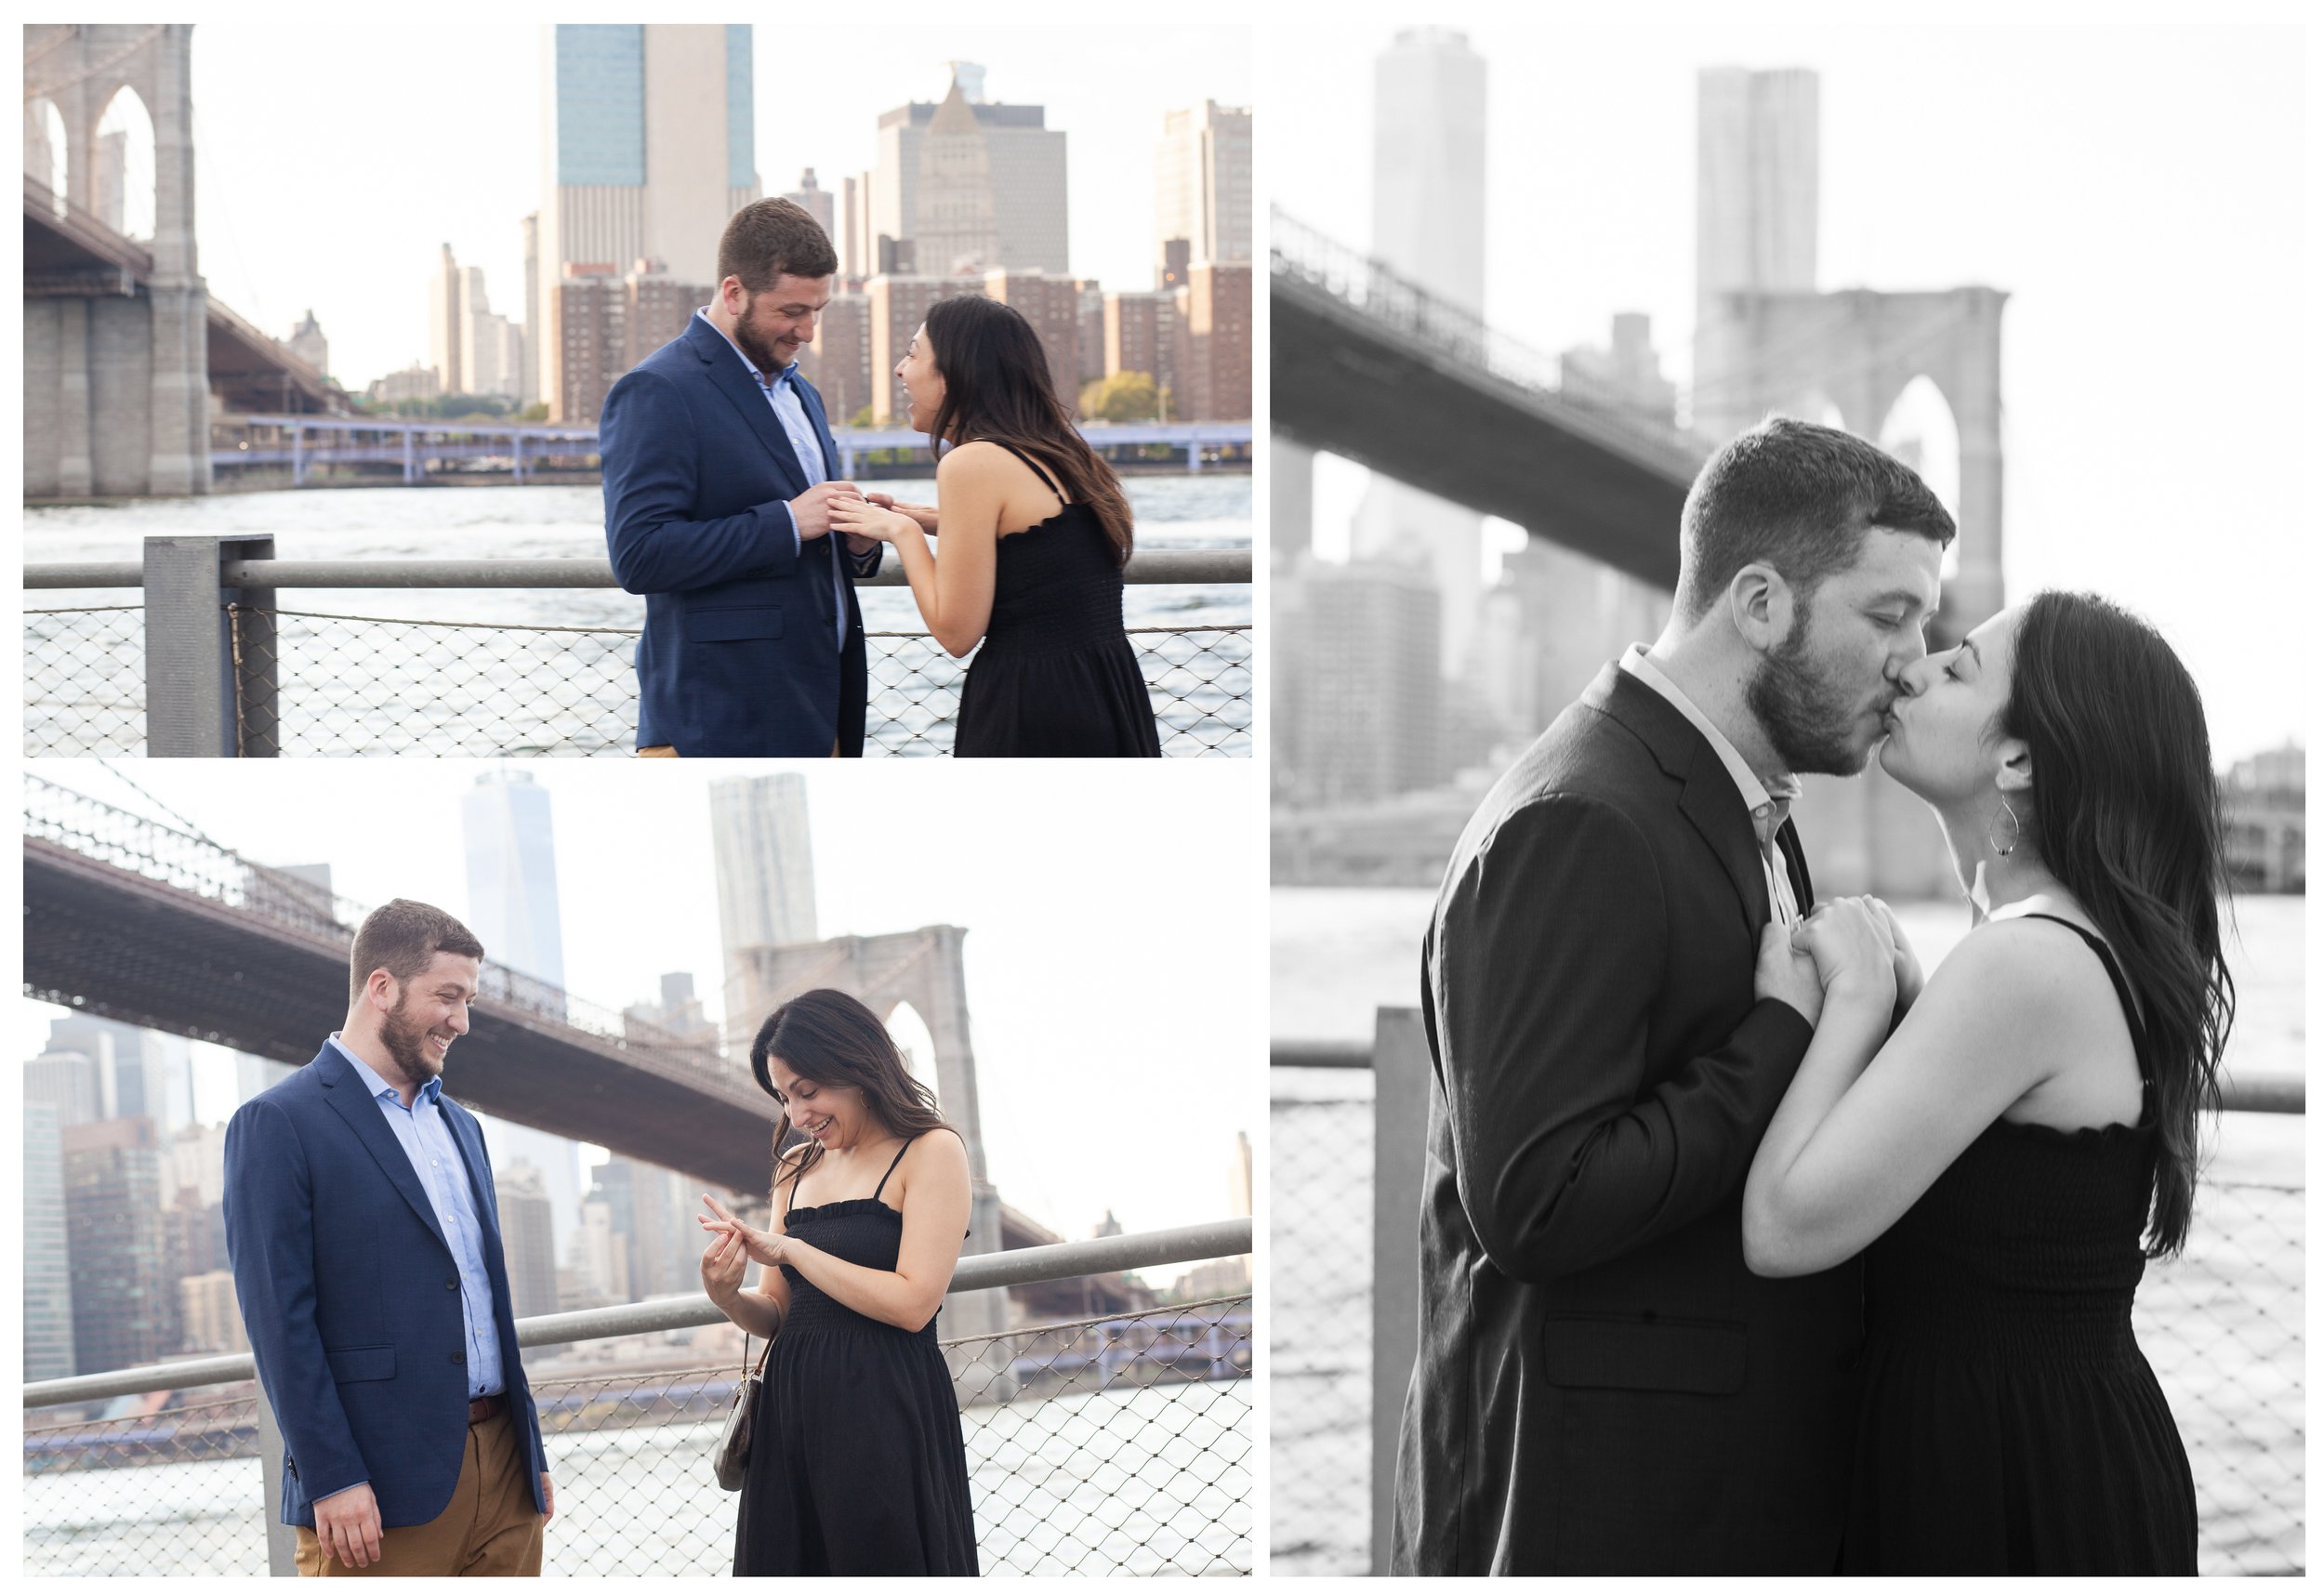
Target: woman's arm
x=1867 y=1128
x=955 y=594
x=935 y=1211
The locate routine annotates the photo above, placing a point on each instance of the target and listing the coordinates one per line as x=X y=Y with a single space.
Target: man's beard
x=757 y=345
x=407 y=1042
x=1809 y=720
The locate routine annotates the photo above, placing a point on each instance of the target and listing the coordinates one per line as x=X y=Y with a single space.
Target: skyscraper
x=1202 y=181
x=1019 y=162
x=47 y=1262
x=512 y=908
x=1427 y=224
x=133 y=1067
x=816 y=201
x=124 y=1302
x=766 y=867
x=1755 y=219
x=649 y=144
x=527 y=1237
x=309 y=344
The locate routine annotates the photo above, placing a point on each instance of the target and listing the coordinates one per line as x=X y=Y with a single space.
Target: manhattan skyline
x=465 y=167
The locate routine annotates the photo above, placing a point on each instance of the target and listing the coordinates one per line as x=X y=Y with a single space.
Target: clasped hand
x=878 y=516
x=1849 y=947
x=735 y=1242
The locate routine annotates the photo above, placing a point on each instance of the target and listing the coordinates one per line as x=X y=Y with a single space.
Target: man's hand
x=1785 y=975
x=347 y=1526
x=548 y=1498
x=811 y=511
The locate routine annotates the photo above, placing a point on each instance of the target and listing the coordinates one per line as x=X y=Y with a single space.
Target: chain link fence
x=2224 y=1325
x=1114 y=1445
x=360 y=686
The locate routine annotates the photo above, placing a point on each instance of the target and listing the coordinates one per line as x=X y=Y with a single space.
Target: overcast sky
x=1115 y=972
x=2135 y=190
x=335 y=156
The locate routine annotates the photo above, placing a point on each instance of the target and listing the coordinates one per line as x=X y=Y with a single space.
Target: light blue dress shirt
x=427 y=1140
x=790 y=414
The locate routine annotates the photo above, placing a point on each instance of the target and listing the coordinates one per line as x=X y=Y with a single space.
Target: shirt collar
x=1756 y=794
x=769 y=383
x=378 y=1087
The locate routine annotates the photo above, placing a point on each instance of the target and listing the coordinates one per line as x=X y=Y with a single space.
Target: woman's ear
x=2015 y=773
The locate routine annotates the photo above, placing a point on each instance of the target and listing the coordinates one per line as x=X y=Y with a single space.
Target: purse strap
x=762 y=1356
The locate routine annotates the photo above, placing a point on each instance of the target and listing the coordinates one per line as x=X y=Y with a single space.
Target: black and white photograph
x=1787 y=801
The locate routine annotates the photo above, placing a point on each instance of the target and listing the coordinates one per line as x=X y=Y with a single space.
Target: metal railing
x=2224 y=1325
x=208 y=664
x=1299 y=257
x=1107 y=1445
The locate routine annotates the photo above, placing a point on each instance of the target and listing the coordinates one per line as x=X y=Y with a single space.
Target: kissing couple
x=725 y=509
x=1745 y=1246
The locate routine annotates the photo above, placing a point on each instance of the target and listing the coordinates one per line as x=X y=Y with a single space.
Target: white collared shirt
x=790 y=414
x=1757 y=800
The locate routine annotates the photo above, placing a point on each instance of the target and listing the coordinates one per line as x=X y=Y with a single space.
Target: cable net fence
x=85 y=682
x=345 y=685
x=1118 y=1446
x=2224 y=1326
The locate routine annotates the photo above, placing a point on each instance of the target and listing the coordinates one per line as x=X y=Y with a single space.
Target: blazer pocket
x=1689 y=1356
x=361 y=1363
x=733 y=625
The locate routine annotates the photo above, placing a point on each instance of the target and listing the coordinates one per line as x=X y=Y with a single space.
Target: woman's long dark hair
x=998 y=390
x=830 y=1037
x=2126 y=815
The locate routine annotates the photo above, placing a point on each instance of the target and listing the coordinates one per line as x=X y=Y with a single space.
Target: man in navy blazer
x=364 y=1234
x=719 y=476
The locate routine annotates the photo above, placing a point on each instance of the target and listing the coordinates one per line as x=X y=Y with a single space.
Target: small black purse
x=730 y=1460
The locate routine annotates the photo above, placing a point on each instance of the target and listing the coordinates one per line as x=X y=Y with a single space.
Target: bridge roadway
x=68 y=251
x=1374 y=369
x=108 y=940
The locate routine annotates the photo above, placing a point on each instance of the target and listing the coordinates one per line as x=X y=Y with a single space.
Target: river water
x=2224 y=1325
x=350 y=688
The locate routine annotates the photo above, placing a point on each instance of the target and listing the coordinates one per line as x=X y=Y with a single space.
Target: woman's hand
x=761 y=1246
x=862 y=518
x=723 y=1264
x=1909 y=980
x=922 y=515
x=1854 y=956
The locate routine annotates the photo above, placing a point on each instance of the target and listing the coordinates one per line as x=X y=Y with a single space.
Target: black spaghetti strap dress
x=1055 y=677
x=857 y=1467
x=2010 y=1422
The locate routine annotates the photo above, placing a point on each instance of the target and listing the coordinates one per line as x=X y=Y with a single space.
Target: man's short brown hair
x=771 y=238
x=403 y=938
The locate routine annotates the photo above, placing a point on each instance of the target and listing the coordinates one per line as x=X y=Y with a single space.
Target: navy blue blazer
x=739 y=657
x=352 y=1299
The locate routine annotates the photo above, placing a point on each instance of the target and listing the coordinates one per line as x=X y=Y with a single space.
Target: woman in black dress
x=856 y=1461
x=2032 y=1115
x=1035 y=531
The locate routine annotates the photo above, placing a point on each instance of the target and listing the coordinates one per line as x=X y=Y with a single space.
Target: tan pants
x=491 y=1529
x=669 y=752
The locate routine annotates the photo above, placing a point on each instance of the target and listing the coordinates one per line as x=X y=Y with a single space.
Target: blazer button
x=452 y=1283
x=459 y=1357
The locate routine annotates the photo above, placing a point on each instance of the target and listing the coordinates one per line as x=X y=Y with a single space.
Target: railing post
x=299 y=455
x=1400 y=1079
x=282 y=1539
x=516 y=452
x=192 y=683
x=1193 y=453
x=410 y=471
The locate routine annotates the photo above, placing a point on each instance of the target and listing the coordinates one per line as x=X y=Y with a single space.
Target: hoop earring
x=2017 y=831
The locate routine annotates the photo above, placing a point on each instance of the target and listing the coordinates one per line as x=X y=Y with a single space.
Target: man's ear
x=1763 y=607
x=379 y=991
x=2015 y=771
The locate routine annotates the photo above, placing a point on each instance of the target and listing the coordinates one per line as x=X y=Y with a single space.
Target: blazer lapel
x=729 y=374
x=1707 y=796
x=1795 y=856
x=343 y=1088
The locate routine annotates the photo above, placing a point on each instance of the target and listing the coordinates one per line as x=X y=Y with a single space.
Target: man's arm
x=650 y=494
x=271 y=1246
x=1549 y=965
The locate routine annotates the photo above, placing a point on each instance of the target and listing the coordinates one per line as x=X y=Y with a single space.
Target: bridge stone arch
x=116 y=372
x=922 y=968
x=1862 y=349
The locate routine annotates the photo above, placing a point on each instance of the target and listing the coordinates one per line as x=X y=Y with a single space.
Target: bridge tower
x=923 y=968
x=1767 y=341
x=116 y=374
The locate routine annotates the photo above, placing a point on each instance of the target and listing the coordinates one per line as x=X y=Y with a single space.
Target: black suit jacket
x=1602 y=1385
x=740 y=657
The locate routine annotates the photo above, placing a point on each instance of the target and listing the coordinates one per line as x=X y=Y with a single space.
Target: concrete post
x=411 y=462
x=282 y=1539
x=299 y=455
x=193 y=683
x=516 y=453
x=1193 y=453
x=181 y=391
x=1400 y=1082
